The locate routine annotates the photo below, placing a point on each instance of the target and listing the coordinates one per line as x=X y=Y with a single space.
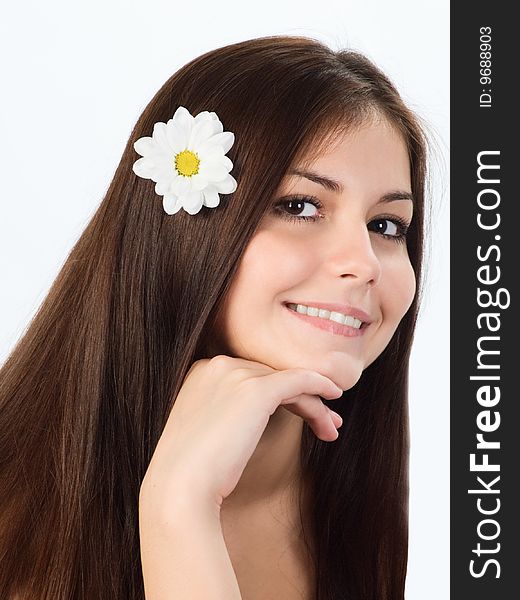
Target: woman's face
x=338 y=255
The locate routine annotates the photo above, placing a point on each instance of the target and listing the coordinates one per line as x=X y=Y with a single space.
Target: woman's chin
x=344 y=371
x=345 y=379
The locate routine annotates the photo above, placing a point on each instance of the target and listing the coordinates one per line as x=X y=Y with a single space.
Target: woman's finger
x=293 y=382
x=311 y=409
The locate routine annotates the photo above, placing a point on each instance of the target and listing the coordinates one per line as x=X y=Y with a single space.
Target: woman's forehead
x=326 y=141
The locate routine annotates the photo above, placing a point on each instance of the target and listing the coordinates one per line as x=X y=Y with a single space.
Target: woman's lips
x=328 y=325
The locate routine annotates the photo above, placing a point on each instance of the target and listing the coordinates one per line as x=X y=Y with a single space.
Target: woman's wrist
x=174 y=511
x=183 y=551
x=180 y=499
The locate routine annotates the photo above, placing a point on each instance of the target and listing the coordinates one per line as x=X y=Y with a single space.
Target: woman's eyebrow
x=335 y=186
x=330 y=184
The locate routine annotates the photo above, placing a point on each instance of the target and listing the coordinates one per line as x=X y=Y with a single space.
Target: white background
x=76 y=76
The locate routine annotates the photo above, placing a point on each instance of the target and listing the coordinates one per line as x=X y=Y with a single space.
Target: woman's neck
x=273 y=471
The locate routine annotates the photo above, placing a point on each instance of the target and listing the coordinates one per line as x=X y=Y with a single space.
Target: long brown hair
x=86 y=391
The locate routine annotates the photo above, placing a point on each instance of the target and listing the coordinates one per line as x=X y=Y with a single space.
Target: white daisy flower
x=186 y=159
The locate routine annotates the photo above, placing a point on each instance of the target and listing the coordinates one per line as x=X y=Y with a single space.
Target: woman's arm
x=183 y=553
x=213 y=428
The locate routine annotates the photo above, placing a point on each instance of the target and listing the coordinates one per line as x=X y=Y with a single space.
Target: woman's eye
x=393 y=228
x=300 y=208
x=387 y=227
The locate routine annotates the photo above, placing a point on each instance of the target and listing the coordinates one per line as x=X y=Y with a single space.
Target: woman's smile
x=326 y=324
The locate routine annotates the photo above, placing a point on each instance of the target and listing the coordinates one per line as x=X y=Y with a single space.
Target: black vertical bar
x=485 y=480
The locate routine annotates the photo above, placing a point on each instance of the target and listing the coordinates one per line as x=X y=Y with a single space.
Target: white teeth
x=339 y=317
x=326 y=314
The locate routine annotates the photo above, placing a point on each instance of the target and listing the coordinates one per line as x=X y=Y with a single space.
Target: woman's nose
x=355 y=257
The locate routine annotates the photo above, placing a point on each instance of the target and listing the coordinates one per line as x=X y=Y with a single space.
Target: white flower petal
x=184 y=122
x=198 y=182
x=223 y=141
x=144 y=167
x=186 y=133
x=213 y=155
x=183 y=117
x=227 y=186
x=226 y=139
x=181 y=185
x=159 y=136
x=172 y=204
x=148 y=168
x=166 y=161
x=145 y=146
x=162 y=188
x=173 y=185
x=203 y=116
x=213 y=171
x=212 y=118
x=192 y=203
x=211 y=197
x=177 y=136
x=217 y=127
x=223 y=161
x=163 y=174
x=163 y=169
x=199 y=134
x=217 y=123
x=157 y=176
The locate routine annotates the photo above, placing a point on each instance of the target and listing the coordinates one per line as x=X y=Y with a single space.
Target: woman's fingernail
x=339 y=417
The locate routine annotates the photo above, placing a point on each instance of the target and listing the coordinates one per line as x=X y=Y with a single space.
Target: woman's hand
x=219 y=415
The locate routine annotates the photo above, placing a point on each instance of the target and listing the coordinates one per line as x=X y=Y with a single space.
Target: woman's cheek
x=411 y=288
x=399 y=286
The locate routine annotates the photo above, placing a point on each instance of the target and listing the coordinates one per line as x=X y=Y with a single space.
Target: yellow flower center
x=187 y=163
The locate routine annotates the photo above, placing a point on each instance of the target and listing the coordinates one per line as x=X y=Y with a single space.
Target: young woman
x=248 y=286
